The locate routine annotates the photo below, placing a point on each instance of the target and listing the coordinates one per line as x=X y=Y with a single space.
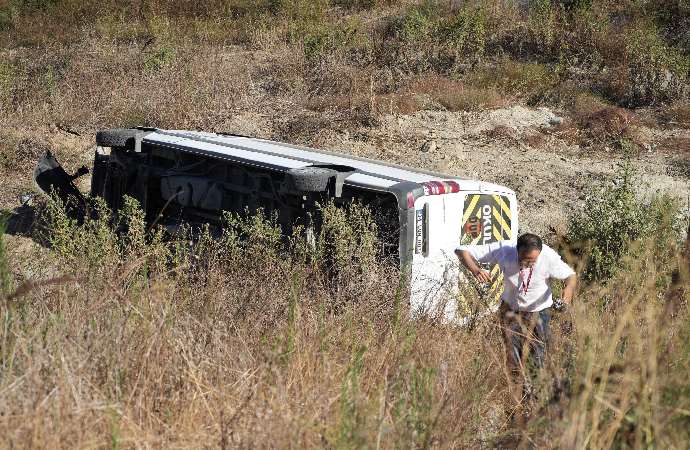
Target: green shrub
x=416 y=25
x=8 y=15
x=465 y=33
x=320 y=40
x=161 y=58
x=348 y=239
x=102 y=240
x=613 y=218
x=255 y=234
x=413 y=44
x=656 y=71
x=91 y=244
x=528 y=80
x=131 y=224
x=543 y=23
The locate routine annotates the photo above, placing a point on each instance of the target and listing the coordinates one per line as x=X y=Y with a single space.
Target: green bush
x=320 y=40
x=465 y=33
x=529 y=80
x=416 y=25
x=543 y=22
x=656 y=71
x=90 y=245
x=161 y=58
x=348 y=238
x=255 y=234
x=102 y=240
x=413 y=44
x=8 y=16
x=613 y=218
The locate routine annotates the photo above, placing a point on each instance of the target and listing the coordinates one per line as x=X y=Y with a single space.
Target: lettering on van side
x=486 y=224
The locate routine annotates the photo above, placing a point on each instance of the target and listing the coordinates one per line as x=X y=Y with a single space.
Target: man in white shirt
x=527 y=267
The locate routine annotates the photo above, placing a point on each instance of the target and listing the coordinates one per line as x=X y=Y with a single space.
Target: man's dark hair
x=528 y=242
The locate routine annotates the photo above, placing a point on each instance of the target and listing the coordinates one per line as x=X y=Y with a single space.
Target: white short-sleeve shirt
x=521 y=291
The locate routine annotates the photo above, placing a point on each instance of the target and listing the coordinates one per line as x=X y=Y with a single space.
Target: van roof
x=280 y=156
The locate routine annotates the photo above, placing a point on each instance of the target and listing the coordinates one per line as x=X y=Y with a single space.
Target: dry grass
x=501 y=133
x=677 y=114
x=676 y=145
x=597 y=125
x=238 y=347
x=456 y=95
x=90 y=65
x=535 y=140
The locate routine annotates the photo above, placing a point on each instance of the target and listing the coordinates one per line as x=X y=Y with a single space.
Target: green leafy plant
x=161 y=58
x=348 y=239
x=613 y=217
x=465 y=33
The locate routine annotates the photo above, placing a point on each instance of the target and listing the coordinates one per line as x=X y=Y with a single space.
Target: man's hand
x=468 y=261
x=483 y=276
x=569 y=289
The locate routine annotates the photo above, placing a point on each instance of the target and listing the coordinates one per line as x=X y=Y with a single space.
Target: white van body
x=440 y=228
x=200 y=174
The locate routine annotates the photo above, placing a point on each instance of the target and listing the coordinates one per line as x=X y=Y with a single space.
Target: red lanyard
x=524 y=286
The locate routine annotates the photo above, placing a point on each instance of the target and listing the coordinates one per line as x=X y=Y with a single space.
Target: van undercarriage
x=176 y=187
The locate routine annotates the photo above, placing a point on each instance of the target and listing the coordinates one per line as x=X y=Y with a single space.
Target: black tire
x=311 y=179
x=117 y=137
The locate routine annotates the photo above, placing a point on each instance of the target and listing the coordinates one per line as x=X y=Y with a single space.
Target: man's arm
x=562 y=271
x=467 y=260
x=569 y=289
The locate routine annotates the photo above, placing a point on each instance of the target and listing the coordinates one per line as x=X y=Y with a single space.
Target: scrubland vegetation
x=113 y=334
x=87 y=64
x=118 y=337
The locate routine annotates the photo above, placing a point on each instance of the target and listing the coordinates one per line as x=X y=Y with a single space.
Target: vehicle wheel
x=311 y=179
x=117 y=137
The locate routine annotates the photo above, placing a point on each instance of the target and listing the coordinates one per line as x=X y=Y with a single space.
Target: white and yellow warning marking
x=503 y=205
x=504 y=226
x=470 y=208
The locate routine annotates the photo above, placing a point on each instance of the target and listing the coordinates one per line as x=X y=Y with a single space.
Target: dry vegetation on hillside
x=126 y=341
x=244 y=342
x=189 y=64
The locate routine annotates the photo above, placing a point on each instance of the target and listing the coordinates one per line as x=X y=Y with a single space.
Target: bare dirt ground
x=518 y=147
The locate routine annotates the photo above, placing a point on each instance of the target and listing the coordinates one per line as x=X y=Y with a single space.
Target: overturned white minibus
x=193 y=176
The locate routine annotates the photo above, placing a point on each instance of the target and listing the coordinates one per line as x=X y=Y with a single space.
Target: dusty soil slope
x=551 y=176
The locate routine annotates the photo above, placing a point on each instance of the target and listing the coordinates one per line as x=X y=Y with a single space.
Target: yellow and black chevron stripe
x=486 y=218
x=493 y=214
